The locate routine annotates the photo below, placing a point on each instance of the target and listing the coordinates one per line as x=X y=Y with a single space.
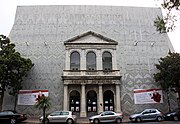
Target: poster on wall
x=111 y=108
x=94 y=108
x=28 y=97
x=72 y=108
x=106 y=108
x=89 y=109
x=148 y=96
x=77 y=109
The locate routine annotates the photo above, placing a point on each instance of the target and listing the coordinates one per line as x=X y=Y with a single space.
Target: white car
x=60 y=117
x=106 y=116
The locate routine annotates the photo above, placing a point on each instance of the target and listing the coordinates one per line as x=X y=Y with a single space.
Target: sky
x=8 y=11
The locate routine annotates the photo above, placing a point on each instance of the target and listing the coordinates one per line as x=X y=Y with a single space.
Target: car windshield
x=145 y=112
x=108 y=113
x=55 y=113
x=149 y=111
x=12 y=111
x=100 y=113
x=64 y=113
x=2 y=113
x=6 y=113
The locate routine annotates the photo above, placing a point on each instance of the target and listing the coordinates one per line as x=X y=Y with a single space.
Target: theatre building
x=91 y=77
x=91 y=59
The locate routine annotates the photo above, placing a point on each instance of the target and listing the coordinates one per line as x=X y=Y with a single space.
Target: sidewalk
x=80 y=120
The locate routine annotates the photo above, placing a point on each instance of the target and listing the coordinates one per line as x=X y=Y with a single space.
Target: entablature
x=98 y=81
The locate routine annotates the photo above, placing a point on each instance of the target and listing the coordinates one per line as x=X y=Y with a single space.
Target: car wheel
x=118 y=120
x=138 y=119
x=69 y=121
x=175 y=118
x=13 y=121
x=159 y=118
x=96 y=121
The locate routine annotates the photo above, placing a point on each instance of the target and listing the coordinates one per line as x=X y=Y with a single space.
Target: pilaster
x=83 y=101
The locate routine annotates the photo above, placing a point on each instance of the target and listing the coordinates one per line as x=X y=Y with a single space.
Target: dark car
x=10 y=116
x=174 y=115
x=106 y=116
x=147 y=115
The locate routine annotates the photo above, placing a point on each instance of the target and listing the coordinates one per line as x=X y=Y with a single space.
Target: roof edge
x=111 y=41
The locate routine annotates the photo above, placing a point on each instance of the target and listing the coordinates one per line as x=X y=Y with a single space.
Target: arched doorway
x=108 y=99
x=74 y=101
x=91 y=103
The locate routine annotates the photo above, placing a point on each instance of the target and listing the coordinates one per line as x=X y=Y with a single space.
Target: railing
x=91 y=72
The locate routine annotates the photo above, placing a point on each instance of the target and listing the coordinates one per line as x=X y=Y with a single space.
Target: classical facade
x=91 y=69
x=90 y=58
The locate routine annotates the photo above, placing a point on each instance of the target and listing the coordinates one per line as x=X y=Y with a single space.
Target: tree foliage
x=43 y=103
x=13 y=68
x=168 y=22
x=169 y=72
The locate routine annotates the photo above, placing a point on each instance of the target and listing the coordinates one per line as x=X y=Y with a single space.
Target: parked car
x=174 y=115
x=106 y=116
x=60 y=117
x=12 y=116
x=147 y=115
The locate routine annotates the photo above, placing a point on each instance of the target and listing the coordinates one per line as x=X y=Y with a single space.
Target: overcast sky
x=8 y=10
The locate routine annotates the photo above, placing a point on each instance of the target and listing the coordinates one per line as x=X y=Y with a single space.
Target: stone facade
x=40 y=33
x=95 y=82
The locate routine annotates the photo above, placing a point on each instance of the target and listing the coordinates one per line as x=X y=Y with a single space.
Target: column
x=118 y=101
x=83 y=101
x=100 y=99
x=65 y=97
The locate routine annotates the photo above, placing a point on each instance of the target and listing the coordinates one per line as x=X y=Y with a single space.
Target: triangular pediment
x=90 y=38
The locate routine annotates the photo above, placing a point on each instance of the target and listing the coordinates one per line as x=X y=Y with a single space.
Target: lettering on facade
x=92 y=73
x=92 y=82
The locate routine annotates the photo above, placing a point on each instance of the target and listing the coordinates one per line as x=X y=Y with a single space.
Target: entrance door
x=108 y=99
x=91 y=103
x=74 y=101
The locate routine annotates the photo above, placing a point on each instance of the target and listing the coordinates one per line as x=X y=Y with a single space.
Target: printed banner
x=28 y=97
x=148 y=96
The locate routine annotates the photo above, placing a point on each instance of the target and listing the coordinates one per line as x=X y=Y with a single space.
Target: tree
x=169 y=73
x=13 y=68
x=43 y=103
x=167 y=23
x=20 y=68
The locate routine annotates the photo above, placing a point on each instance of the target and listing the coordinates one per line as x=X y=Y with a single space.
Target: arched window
x=107 y=61
x=91 y=61
x=75 y=61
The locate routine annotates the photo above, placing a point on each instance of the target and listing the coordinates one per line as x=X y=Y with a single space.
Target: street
x=163 y=122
